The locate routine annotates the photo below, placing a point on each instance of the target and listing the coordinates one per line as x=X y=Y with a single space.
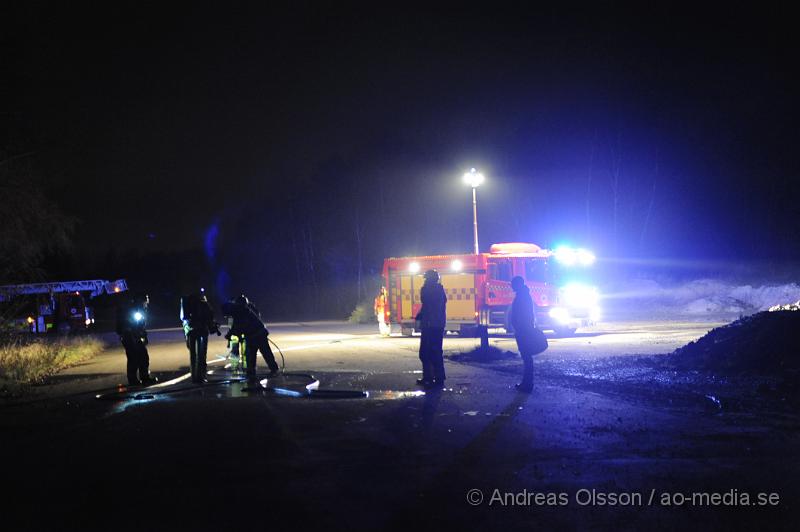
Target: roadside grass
x=25 y=363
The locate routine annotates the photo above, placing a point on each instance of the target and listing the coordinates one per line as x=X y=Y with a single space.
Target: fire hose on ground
x=311 y=388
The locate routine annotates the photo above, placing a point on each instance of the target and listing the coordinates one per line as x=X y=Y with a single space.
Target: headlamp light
x=579 y=296
x=560 y=314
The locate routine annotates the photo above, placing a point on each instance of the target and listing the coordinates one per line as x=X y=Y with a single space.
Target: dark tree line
x=34 y=229
x=308 y=240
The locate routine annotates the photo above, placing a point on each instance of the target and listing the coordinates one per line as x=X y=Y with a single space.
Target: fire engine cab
x=479 y=293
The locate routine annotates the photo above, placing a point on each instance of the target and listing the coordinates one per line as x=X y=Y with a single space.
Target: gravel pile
x=766 y=343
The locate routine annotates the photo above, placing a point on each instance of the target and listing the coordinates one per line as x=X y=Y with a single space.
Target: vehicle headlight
x=560 y=314
x=585 y=257
x=578 y=295
x=138 y=316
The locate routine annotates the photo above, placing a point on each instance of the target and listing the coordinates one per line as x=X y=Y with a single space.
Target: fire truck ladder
x=96 y=287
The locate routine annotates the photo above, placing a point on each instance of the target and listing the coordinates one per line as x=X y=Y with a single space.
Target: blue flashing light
x=566 y=255
x=569 y=256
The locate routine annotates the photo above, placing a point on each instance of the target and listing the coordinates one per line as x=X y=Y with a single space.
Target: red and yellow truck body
x=478 y=289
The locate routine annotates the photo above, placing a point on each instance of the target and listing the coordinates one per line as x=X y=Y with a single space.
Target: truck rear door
x=461 y=296
x=459 y=287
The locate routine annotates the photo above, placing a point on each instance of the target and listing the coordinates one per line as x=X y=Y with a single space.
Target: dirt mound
x=765 y=343
x=483 y=355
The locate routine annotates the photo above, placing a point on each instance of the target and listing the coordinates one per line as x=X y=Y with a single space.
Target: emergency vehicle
x=478 y=288
x=60 y=306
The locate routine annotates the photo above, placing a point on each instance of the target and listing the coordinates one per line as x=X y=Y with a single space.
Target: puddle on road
x=137 y=400
x=296 y=385
x=392 y=395
x=292 y=385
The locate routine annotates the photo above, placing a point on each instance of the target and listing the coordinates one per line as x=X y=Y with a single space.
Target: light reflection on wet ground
x=287 y=387
x=231 y=386
x=392 y=395
x=123 y=405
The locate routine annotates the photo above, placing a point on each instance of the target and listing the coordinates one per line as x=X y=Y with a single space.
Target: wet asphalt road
x=221 y=456
x=339 y=347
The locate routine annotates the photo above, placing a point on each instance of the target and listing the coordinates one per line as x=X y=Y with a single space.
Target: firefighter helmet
x=432 y=275
x=517 y=283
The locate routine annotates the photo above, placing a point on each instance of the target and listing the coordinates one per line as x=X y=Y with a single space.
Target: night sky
x=166 y=129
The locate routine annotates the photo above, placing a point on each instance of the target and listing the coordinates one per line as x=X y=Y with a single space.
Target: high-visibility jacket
x=380 y=304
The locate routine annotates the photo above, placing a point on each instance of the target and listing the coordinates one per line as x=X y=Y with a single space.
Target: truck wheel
x=406 y=331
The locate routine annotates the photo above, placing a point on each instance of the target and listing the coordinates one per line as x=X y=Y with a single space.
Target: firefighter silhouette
x=131 y=328
x=247 y=324
x=523 y=320
x=198 y=321
x=432 y=318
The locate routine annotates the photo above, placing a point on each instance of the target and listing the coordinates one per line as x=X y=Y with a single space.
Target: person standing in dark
x=523 y=320
x=379 y=307
x=246 y=323
x=432 y=318
x=131 y=328
x=198 y=321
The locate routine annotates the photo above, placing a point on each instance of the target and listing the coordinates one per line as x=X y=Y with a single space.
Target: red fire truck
x=57 y=307
x=479 y=293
